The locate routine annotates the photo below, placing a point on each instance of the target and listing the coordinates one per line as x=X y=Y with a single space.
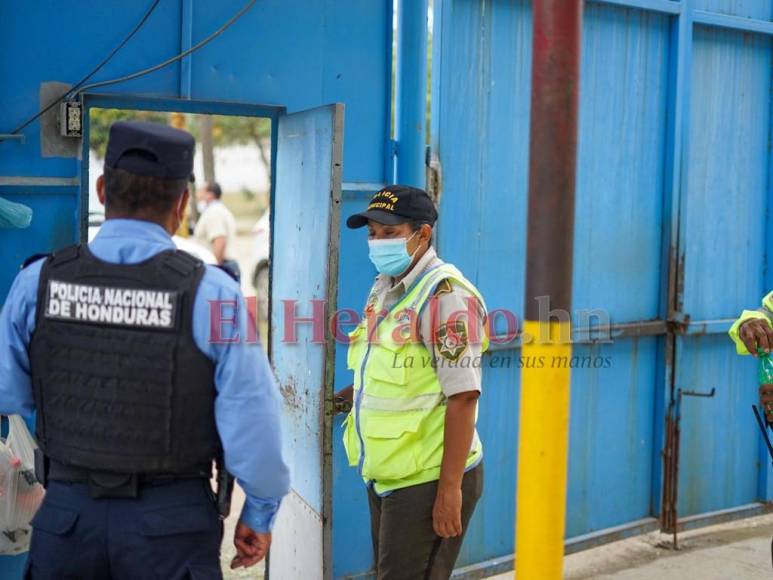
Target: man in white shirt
x=216 y=227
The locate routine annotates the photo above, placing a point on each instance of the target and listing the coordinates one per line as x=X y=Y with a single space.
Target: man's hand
x=756 y=333
x=251 y=546
x=447 y=512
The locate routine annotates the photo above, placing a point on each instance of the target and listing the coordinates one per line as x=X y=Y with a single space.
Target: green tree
x=229 y=130
x=101 y=119
x=245 y=131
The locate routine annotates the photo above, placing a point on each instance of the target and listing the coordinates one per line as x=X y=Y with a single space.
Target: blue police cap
x=150 y=149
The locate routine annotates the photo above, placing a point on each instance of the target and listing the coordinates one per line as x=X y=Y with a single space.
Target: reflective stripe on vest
x=417 y=403
x=394 y=433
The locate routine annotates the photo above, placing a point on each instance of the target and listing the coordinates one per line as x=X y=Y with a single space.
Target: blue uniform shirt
x=247 y=404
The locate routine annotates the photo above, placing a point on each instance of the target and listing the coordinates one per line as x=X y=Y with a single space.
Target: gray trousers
x=405 y=545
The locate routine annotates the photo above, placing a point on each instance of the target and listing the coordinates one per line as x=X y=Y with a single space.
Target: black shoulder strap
x=33 y=258
x=182 y=262
x=65 y=255
x=59 y=257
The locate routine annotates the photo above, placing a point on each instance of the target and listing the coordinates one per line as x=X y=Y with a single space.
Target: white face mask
x=201 y=206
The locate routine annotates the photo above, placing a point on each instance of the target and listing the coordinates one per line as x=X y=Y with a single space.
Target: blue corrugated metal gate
x=673 y=190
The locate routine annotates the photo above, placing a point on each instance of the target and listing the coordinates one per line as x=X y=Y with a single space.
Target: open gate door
x=304 y=279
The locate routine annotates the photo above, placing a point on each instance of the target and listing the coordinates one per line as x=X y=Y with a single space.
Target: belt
x=106 y=484
x=73 y=474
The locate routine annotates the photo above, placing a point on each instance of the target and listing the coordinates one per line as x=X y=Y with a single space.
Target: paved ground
x=735 y=551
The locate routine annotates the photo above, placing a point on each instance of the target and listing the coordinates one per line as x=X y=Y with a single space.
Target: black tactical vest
x=119 y=383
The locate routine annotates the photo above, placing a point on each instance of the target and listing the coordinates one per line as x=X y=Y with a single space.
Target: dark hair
x=129 y=194
x=214 y=188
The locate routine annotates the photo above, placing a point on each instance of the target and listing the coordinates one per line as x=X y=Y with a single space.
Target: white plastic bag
x=20 y=493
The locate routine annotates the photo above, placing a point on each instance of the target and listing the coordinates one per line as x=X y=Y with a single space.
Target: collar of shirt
x=128 y=241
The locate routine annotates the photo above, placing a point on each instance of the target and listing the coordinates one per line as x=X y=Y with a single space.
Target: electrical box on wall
x=71 y=119
x=61 y=126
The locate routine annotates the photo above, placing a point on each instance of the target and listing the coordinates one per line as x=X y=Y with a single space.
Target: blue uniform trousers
x=171 y=531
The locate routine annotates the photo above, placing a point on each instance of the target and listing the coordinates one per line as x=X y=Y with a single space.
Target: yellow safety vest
x=767 y=305
x=394 y=433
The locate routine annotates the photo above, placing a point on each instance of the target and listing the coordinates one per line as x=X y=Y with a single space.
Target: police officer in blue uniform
x=136 y=391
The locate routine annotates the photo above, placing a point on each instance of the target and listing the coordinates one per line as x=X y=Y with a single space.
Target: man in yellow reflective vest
x=751 y=333
x=754 y=329
x=416 y=359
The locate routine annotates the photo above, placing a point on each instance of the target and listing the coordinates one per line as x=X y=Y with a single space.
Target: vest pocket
x=387 y=364
x=390 y=445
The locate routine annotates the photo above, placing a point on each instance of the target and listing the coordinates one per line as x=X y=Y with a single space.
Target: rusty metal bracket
x=678 y=323
x=706 y=395
x=669 y=516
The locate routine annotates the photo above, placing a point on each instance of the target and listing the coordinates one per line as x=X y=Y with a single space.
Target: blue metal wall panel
x=623 y=206
x=620 y=165
x=482 y=141
x=762 y=9
x=305 y=140
x=723 y=225
x=727 y=181
x=307 y=203
x=719 y=451
x=611 y=435
x=617 y=263
x=323 y=52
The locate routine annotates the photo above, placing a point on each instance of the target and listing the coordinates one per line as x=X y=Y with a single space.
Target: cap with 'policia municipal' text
x=150 y=149
x=397 y=204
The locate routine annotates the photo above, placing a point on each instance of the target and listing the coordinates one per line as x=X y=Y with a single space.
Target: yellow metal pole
x=543 y=453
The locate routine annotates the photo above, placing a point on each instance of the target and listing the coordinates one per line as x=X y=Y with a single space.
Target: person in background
x=216 y=227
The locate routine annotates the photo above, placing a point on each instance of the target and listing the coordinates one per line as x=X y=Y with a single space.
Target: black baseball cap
x=396 y=204
x=150 y=149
